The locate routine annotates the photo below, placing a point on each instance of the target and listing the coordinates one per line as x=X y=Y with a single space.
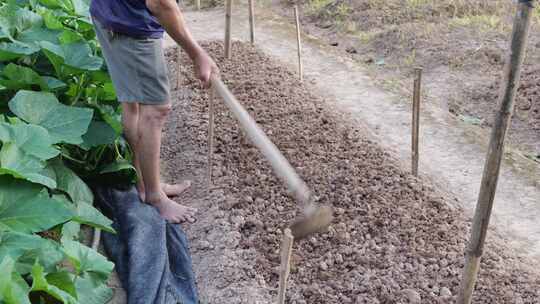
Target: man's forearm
x=170 y=17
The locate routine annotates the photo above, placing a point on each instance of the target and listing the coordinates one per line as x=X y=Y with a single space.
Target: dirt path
x=452 y=152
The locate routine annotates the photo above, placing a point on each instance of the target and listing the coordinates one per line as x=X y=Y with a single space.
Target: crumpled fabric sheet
x=151 y=255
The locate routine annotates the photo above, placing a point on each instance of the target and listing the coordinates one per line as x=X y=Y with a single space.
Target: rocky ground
x=395 y=239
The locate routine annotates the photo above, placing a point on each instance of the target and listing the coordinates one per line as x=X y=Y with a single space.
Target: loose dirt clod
x=391 y=232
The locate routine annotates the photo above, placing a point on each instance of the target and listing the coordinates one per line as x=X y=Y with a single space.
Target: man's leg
x=151 y=121
x=130 y=121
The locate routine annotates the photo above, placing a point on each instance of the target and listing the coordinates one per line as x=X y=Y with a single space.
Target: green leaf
x=19 y=164
x=51 y=21
x=34 y=36
x=112 y=117
x=26 y=249
x=70 y=231
x=69 y=36
x=14 y=50
x=19 y=77
x=65 y=5
x=16 y=190
x=15 y=19
x=53 y=83
x=88 y=215
x=31 y=139
x=87 y=260
x=29 y=214
x=13 y=288
x=85 y=213
x=76 y=55
x=91 y=293
x=119 y=165
x=40 y=283
x=71 y=184
x=24 y=151
x=81 y=8
x=63 y=280
x=99 y=133
x=26 y=19
x=65 y=124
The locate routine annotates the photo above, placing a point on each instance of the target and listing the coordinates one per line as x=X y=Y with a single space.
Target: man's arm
x=170 y=17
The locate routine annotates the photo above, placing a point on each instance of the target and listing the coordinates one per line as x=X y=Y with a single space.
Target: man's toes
x=181 y=218
x=190 y=213
x=174 y=220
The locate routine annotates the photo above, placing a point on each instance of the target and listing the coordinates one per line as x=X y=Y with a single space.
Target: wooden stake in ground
x=416 y=120
x=285 y=269
x=252 y=21
x=228 y=20
x=96 y=238
x=198 y=4
x=496 y=148
x=178 y=60
x=210 y=134
x=299 y=42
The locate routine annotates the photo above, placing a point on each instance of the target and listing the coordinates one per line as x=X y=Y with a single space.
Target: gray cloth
x=151 y=256
x=136 y=65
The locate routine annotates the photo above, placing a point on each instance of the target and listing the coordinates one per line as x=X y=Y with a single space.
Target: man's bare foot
x=170 y=190
x=173 y=190
x=171 y=210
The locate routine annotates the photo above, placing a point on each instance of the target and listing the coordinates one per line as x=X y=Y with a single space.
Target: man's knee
x=130 y=111
x=130 y=117
x=155 y=115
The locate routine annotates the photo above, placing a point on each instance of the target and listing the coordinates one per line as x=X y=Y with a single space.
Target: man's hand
x=170 y=17
x=205 y=67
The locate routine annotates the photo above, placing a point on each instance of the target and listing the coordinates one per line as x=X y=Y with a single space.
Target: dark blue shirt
x=129 y=17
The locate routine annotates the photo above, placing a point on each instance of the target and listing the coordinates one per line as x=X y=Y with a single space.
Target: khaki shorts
x=136 y=65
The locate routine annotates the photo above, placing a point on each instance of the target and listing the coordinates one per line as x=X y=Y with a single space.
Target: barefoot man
x=130 y=33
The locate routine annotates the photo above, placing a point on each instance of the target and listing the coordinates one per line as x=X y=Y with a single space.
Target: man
x=130 y=33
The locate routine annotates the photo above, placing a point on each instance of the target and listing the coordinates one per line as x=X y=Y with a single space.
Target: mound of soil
x=484 y=104
x=395 y=239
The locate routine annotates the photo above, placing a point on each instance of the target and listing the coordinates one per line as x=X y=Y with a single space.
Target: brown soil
x=395 y=238
x=460 y=44
x=484 y=98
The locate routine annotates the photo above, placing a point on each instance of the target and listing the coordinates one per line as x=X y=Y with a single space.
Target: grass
x=481 y=22
x=317 y=6
x=337 y=11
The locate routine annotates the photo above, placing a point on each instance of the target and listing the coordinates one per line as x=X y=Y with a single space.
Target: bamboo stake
x=416 y=120
x=492 y=166
x=285 y=269
x=198 y=4
x=210 y=134
x=96 y=239
x=228 y=20
x=252 y=21
x=299 y=43
x=178 y=60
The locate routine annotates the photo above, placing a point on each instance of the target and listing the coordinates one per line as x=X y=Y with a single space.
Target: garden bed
x=394 y=237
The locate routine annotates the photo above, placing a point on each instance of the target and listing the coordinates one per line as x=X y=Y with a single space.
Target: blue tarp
x=151 y=255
